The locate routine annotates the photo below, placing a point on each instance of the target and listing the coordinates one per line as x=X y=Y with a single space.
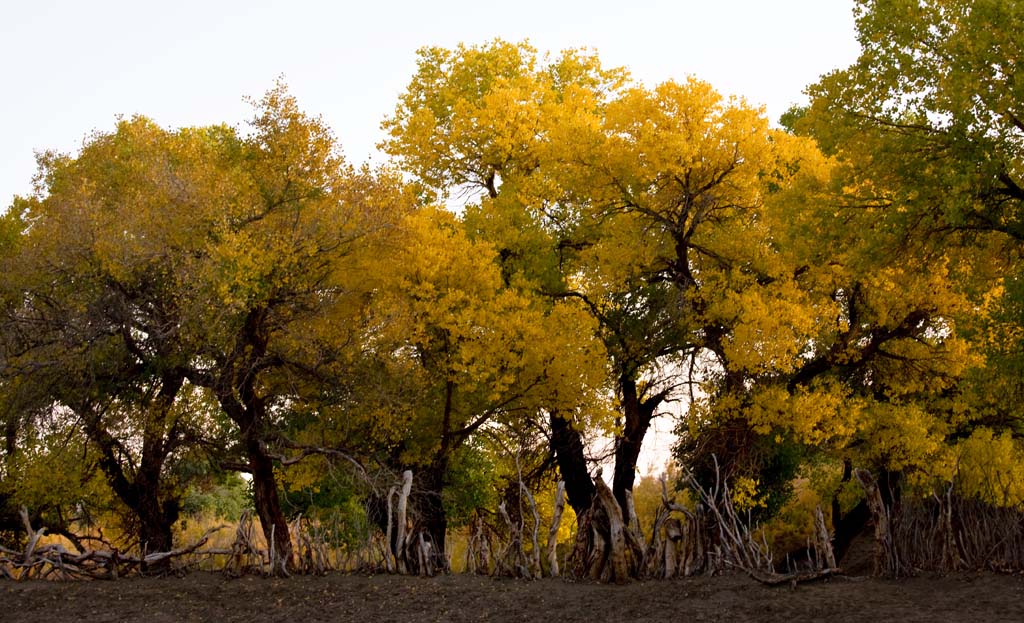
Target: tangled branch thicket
x=605 y=547
x=944 y=532
x=941 y=533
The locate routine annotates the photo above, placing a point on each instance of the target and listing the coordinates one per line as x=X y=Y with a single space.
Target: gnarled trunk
x=637 y=413
x=235 y=385
x=156 y=513
x=847 y=527
x=157 y=510
x=567 y=444
x=268 y=507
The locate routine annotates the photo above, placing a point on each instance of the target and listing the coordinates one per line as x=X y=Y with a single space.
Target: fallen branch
x=777 y=579
x=160 y=556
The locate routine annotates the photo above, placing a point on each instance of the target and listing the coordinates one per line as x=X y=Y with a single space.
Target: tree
x=479 y=359
x=473 y=121
x=276 y=299
x=932 y=113
x=647 y=206
x=681 y=182
x=160 y=265
x=927 y=124
x=926 y=135
x=91 y=328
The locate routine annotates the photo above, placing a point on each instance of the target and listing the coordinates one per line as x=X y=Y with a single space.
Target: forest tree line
x=846 y=291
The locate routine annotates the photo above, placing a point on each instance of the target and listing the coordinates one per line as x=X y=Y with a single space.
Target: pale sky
x=71 y=67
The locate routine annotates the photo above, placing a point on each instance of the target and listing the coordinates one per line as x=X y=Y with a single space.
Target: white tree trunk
x=403 y=510
x=556 y=523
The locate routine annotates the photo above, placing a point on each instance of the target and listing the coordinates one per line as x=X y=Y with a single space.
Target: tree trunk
x=823 y=543
x=10 y=437
x=398 y=546
x=158 y=511
x=268 y=508
x=556 y=522
x=235 y=384
x=433 y=513
x=156 y=521
x=887 y=562
x=567 y=444
x=616 y=535
x=638 y=414
x=143 y=491
x=848 y=527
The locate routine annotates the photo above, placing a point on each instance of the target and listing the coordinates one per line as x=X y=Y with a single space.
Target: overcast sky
x=71 y=67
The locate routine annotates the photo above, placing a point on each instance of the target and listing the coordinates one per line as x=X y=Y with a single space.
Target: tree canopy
x=845 y=291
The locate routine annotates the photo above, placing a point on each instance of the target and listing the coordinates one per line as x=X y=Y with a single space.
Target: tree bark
x=268 y=507
x=567 y=444
x=399 y=546
x=157 y=509
x=391 y=555
x=846 y=528
x=887 y=561
x=235 y=384
x=638 y=414
x=156 y=523
x=823 y=542
x=556 y=522
x=10 y=436
x=616 y=535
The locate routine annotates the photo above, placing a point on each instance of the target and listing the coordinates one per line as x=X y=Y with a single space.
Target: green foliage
x=470 y=485
x=335 y=503
x=55 y=472
x=223 y=496
x=925 y=129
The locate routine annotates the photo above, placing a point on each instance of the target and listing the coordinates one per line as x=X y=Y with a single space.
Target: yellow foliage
x=793 y=525
x=824 y=415
x=476 y=350
x=991 y=468
x=744 y=494
x=903 y=437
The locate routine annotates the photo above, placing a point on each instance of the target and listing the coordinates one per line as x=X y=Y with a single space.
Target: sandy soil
x=379 y=599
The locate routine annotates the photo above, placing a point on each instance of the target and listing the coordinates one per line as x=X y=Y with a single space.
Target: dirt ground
x=382 y=598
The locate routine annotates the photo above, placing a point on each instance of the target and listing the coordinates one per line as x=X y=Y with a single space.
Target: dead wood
x=736 y=546
x=54 y=561
x=777 y=579
x=246 y=556
x=886 y=562
x=534 y=559
x=401 y=541
x=389 y=553
x=182 y=551
x=616 y=532
x=556 y=522
x=512 y=559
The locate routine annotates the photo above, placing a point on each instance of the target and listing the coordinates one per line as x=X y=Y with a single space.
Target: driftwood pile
x=943 y=533
x=246 y=556
x=55 y=561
